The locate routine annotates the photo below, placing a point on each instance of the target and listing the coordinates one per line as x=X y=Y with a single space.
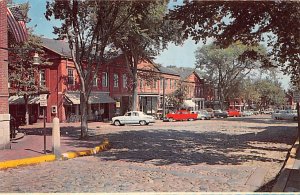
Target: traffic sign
x=297 y=96
x=43 y=99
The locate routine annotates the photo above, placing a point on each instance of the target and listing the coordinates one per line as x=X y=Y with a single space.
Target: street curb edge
x=285 y=173
x=51 y=157
x=97 y=149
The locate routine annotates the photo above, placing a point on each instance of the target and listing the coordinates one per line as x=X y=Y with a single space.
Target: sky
x=180 y=56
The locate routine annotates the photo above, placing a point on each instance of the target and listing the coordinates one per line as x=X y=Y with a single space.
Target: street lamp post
x=43 y=99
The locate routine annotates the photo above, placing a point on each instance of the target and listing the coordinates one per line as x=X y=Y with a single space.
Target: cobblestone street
x=220 y=155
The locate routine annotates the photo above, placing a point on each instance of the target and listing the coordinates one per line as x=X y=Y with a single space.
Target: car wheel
x=143 y=123
x=117 y=123
x=295 y=118
x=171 y=119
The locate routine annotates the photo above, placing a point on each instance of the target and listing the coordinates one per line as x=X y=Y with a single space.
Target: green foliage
x=23 y=75
x=263 y=92
x=275 y=22
x=178 y=96
x=225 y=68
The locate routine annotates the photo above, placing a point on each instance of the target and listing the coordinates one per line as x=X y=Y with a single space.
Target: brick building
x=4 y=116
x=112 y=87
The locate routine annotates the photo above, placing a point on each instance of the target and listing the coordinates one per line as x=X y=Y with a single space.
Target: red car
x=181 y=115
x=234 y=113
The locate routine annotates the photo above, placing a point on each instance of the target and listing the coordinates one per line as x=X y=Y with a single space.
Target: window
x=141 y=84
x=116 y=80
x=170 y=83
x=124 y=81
x=42 y=78
x=104 y=79
x=95 y=81
x=154 y=84
x=71 y=80
x=161 y=83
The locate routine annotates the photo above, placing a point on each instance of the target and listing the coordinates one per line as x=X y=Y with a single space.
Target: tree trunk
x=135 y=85
x=26 y=110
x=84 y=114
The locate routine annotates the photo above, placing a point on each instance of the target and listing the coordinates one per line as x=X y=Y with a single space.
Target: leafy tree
x=143 y=37
x=178 y=96
x=22 y=73
x=271 y=93
x=225 y=68
x=275 y=22
x=90 y=27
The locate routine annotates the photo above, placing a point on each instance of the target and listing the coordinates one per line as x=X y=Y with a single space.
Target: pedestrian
x=96 y=115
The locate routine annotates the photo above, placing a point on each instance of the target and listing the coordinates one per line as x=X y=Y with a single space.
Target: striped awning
x=16 y=27
x=94 y=98
x=19 y=100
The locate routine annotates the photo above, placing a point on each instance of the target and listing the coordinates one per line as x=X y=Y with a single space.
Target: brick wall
x=3 y=57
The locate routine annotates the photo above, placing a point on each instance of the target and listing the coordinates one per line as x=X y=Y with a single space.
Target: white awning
x=189 y=104
x=18 y=100
x=95 y=98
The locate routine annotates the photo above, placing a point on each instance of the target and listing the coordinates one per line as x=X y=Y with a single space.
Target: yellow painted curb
x=97 y=149
x=51 y=157
x=26 y=161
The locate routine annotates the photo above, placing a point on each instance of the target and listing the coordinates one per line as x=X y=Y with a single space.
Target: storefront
x=149 y=103
x=99 y=106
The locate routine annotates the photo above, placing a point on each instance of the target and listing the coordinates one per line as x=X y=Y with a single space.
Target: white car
x=247 y=113
x=285 y=114
x=133 y=117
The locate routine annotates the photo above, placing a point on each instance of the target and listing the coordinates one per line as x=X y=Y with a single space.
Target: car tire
x=117 y=123
x=142 y=123
x=295 y=118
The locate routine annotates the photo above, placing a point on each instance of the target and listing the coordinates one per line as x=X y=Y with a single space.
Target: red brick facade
x=3 y=59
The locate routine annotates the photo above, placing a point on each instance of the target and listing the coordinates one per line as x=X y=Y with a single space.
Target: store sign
x=118 y=104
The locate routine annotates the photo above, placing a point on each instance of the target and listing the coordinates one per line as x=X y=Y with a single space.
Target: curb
x=97 y=149
x=285 y=172
x=51 y=157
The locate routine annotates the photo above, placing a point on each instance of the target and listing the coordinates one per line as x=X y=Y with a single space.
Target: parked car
x=220 y=114
x=285 y=114
x=277 y=114
x=247 y=113
x=202 y=114
x=133 y=117
x=211 y=112
x=268 y=111
x=255 y=112
x=181 y=115
x=234 y=113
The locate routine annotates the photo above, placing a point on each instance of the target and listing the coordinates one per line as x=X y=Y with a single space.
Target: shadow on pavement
x=162 y=147
x=258 y=120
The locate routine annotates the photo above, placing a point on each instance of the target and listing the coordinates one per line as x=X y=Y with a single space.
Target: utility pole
x=164 y=102
x=297 y=100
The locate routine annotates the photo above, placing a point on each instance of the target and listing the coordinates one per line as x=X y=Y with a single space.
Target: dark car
x=220 y=114
x=14 y=126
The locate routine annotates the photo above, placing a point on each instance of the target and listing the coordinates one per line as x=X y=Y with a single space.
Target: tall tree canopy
x=276 y=22
x=143 y=37
x=225 y=68
x=90 y=27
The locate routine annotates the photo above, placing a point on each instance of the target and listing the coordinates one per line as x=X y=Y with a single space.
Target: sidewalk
x=289 y=178
x=32 y=144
